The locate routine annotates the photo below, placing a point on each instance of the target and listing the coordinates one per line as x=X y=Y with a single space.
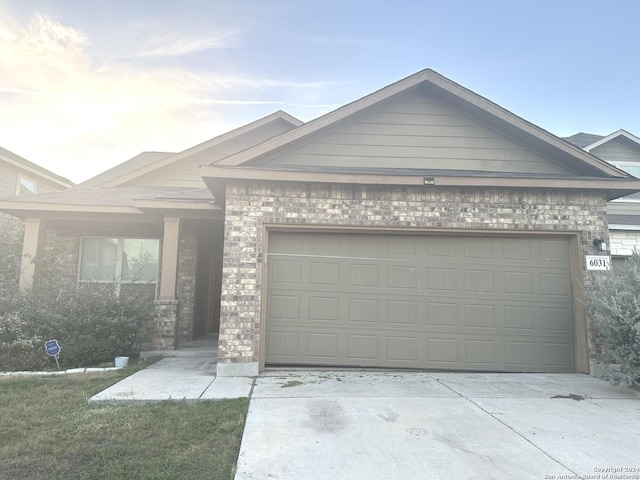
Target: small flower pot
x=121 y=361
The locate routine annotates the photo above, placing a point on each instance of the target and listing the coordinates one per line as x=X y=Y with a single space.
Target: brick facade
x=186 y=287
x=62 y=240
x=173 y=321
x=164 y=325
x=250 y=206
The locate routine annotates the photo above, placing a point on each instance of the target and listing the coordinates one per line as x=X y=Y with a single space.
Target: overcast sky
x=85 y=85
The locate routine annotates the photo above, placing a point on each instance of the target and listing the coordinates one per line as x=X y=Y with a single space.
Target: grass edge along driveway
x=48 y=431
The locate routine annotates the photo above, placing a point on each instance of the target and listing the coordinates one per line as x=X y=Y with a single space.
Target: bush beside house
x=89 y=321
x=615 y=308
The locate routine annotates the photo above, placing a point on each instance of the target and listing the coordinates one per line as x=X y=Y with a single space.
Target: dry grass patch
x=48 y=430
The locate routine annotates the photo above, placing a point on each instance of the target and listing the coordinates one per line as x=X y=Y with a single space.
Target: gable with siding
x=415 y=132
x=618 y=150
x=186 y=171
x=13 y=167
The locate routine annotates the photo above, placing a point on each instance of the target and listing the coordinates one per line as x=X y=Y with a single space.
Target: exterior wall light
x=600 y=245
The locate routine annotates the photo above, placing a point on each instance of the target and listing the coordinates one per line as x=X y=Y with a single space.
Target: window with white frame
x=632 y=168
x=132 y=263
x=26 y=186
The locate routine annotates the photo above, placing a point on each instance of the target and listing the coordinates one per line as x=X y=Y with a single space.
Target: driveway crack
x=507 y=426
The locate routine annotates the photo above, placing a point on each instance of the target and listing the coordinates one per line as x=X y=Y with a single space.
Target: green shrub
x=11 y=230
x=89 y=321
x=615 y=308
x=91 y=325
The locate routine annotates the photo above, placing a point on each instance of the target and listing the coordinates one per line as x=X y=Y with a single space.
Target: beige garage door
x=416 y=301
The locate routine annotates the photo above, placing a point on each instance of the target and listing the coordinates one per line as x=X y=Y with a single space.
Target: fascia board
x=618 y=186
x=279 y=115
x=616 y=134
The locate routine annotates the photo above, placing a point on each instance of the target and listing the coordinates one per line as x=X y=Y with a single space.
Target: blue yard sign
x=53 y=349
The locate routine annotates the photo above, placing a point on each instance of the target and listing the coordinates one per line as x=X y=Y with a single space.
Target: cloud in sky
x=171 y=44
x=83 y=114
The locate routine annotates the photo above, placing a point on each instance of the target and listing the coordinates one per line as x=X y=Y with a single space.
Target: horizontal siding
x=418 y=133
x=622 y=208
x=616 y=151
x=8 y=181
x=186 y=173
x=469 y=164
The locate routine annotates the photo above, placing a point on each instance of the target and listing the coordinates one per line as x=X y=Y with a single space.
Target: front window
x=132 y=263
x=26 y=186
x=633 y=169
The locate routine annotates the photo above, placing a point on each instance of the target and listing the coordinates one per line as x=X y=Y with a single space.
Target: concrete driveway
x=369 y=425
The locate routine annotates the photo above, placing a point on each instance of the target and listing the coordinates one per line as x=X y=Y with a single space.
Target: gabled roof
x=108 y=195
x=146 y=165
x=587 y=170
x=141 y=160
x=455 y=96
x=24 y=164
x=122 y=201
x=621 y=134
x=582 y=139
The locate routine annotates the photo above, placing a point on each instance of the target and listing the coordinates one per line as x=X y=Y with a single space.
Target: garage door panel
x=442 y=351
x=475 y=248
x=518 y=282
x=517 y=249
x=480 y=353
x=283 y=344
x=323 y=308
x=479 y=281
x=325 y=273
x=520 y=354
x=284 y=306
x=441 y=247
x=286 y=271
x=557 y=354
x=474 y=303
x=365 y=245
x=554 y=251
x=363 y=275
x=402 y=312
x=480 y=316
x=519 y=318
x=322 y=345
x=362 y=347
x=442 y=314
x=402 y=348
x=442 y=279
x=555 y=284
x=556 y=319
x=401 y=245
x=363 y=310
x=402 y=276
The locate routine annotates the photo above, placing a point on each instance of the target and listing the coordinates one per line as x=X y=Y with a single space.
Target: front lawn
x=48 y=431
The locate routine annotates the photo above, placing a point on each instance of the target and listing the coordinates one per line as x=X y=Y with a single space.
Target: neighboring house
x=149 y=224
x=20 y=177
x=422 y=226
x=621 y=149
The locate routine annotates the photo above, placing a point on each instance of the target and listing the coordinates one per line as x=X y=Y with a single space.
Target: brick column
x=166 y=318
x=167 y=306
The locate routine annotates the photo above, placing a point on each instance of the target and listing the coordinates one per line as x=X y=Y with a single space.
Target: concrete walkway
x=368 y=425
x=175 y=378
x=188 y=374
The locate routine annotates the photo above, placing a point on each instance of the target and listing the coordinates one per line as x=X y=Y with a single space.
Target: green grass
x=48 y=431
